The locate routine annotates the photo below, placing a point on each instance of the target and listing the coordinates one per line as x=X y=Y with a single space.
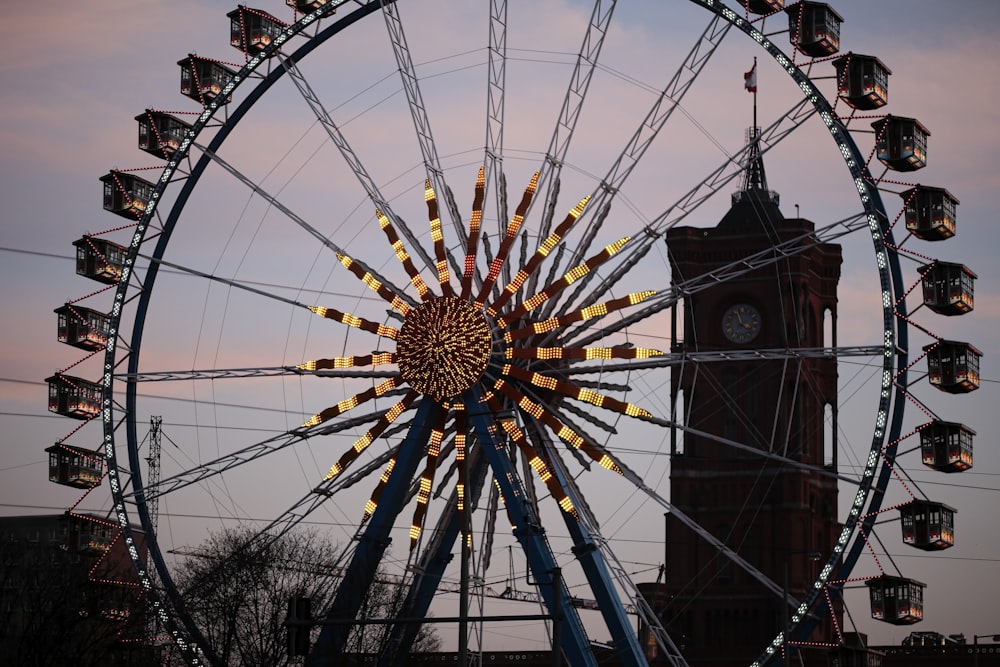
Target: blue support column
x=433 y=564
x=624 y=637
x=530 y=534
x=361 y=571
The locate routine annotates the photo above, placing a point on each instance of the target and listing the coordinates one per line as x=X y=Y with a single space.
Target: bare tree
x=238 y=594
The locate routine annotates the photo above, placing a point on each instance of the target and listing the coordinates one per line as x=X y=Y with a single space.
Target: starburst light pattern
x=480 y=341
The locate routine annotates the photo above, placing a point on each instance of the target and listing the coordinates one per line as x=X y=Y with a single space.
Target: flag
x=750 y=78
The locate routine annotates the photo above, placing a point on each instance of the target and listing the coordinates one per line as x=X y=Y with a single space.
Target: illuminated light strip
x=577 y=316
x=571 y=277
x=353 y=402
x=444 y=278
x=460 y=438
x=475 y=224
x=508 y=240
x=426 y=483
x=565 y=433
x=374 y=284
x=390 y=416
x=573 y=391
x=383 y=330
x=543 y=251
x=372 y=503
x=403 y=256
x=542 y=470
x=380 y=359
x=586 y=353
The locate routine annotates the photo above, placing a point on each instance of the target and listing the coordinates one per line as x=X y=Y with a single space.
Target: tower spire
x=754 y=177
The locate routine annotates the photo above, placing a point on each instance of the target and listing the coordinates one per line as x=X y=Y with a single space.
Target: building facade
x=68 y=595
x=750 y=413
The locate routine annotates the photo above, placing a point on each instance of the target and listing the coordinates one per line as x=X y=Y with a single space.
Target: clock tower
x=755 y=400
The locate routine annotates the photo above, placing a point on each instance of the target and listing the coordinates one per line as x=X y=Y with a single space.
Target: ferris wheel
x=413 y=282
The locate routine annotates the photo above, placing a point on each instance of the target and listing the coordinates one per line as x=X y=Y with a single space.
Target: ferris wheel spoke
x=434 y=558
x=656 y=118
x=708 y=537
x=418 y=112
x=541 y=559
x=769 y=137
x=583 y=528
x=528 y=267
x=338 y=139
x=743 y=355
x=246 y=286
x=332 y=371
x=248 y=454
x=576 y=94
x=374 y=539
x=565 y=433
x=298 y=220
x=496 y=93
x=500 y=259
x=758 y=452
x=588 y=538
x=687 y=204
x=573 y=391
x=568 y=279
x=552 y=324
x=404 y=257
x=588 y=416
x=752 y=262
x=472 y=242
x=440 y=251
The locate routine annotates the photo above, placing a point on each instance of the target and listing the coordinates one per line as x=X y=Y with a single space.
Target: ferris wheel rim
x=895 y=336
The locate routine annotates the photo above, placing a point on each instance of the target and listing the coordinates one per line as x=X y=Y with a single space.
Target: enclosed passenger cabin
x=73 y=466
x=82 y=327
x=929 y=212
x=927 y=525
x=306 y=6
x=854 y=652
x=901 y=143
x=814 y=28
x=252 y=30
x=953 y=366
x=762 y=6
x=948 y=287
x=862 y=81
x=202 y=79
x=946 y=446
x=88 y=534
x=74 y=397
x=126 y=194
x=896 y=600
x=160 y=134
x=99 y=259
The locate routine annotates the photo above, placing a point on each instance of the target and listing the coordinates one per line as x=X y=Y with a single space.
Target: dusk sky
x=75 y=75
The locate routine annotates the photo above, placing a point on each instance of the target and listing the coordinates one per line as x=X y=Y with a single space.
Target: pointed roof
x=755 y=207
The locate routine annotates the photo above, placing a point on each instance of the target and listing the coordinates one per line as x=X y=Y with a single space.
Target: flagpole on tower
x=750 y=82
x=754 y=179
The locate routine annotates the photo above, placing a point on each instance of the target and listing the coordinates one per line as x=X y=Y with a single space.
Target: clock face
x=741 y=323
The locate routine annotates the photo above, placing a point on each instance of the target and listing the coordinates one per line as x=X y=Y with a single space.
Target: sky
x=74 y=77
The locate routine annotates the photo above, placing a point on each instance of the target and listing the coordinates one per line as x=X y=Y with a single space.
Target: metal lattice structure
x=422 y=378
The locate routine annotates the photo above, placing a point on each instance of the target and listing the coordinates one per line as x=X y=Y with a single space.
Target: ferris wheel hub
x=443 y=347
